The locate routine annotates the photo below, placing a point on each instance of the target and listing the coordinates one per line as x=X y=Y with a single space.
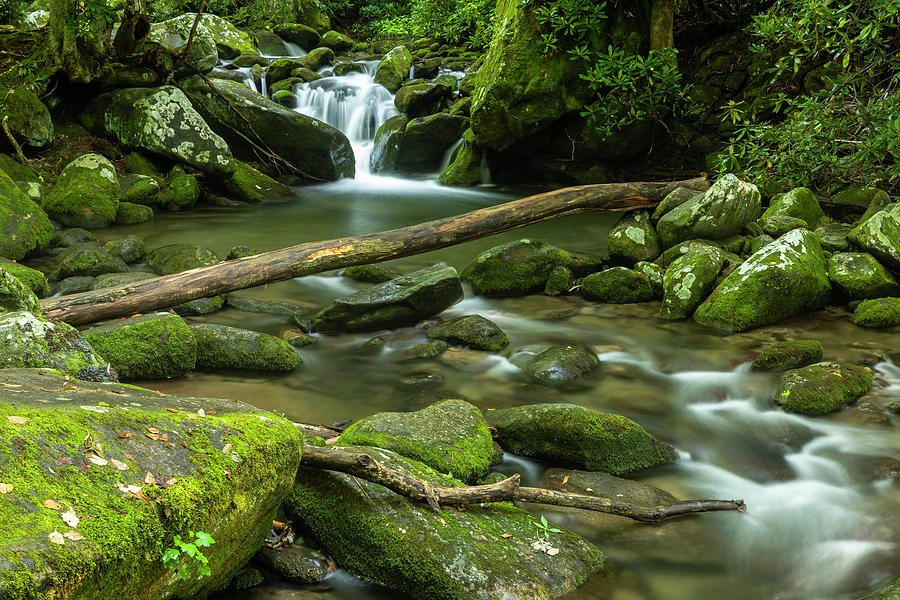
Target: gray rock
x=633 y=239
x=859 y=275
x=297 y=563
x=173 y=36
x=16 y=296
x=880 y=236
x=559 y=364
x=129 y=248
x=473 y=331
x=112 y=279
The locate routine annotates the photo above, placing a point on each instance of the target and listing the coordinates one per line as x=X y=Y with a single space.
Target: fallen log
x=316 y=257
x=362 y=465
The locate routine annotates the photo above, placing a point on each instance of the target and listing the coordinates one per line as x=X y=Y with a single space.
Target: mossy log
x=362 y=465
x=315 y=257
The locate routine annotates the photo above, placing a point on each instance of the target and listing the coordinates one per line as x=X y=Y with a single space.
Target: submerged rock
x=859 y=275
x=617 y=285
x=454 y=555
x=403 y=300
x=877 y=313
x=559 y=364
x=30 y=341
x=788 y=355
x=249 y=185
x=799 y=203
x=515 y=268
x=87 y=259
x=822 y=387
x=450 y=437
x=473 y=331
x=568 y=434
x=129 y=249
x=633 y=239
x=65 y=451
x=86 y=194
x=784 y=279
x=880 y=236
x=224 y=347
x=155 y=346
x=688 y=280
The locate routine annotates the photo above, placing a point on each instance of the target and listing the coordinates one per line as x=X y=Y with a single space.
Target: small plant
x=543 y=527
x=193 y=556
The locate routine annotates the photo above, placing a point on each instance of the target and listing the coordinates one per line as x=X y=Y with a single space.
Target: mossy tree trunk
x=79 y=39
x=662 y=23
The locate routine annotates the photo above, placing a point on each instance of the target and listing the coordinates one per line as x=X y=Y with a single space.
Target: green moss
x=32 y=278
x=87 y=193
x=465 y=169
x=473 y=331
x=181 y=191
x=822 y=388
x=369 y=273
x=617 y=285
x=176 y=258
x=572 y=435
x=24 y=225
x=515 y=268
x=559 y=282
x=87 y=259
x=15 y=295
x=394 y=68
x=688 y=280
x=655 y=275
x=788 y=355
x=561 y=364
x=633 y=239
x=132 y=214
x=250 y=185
x=223 y=347
x=799 y=203
x=129 y=249
x=860 y=275
x=877 y=313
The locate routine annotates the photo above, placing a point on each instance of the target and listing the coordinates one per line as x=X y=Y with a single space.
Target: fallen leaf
x=127 y=434
x=128 y=456
x=201 y=412
x=51 y=504
x=97 y=460
x=70 y=518
x=553 y=551
x=152 y=430
x=331 y=441
x=136 y=315
x=73 y=535
x=149 y=479
x=228 y=474
x=128 y=489
x=226 y=449
x=118 y=464
x=57 y=538
x=172 y=410
x=160 y=394
x=5 y=488
x=506 y=536
x=17 y=420
x=565 y=480
x=157 y=438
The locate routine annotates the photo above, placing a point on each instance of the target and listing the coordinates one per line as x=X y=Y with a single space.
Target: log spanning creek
x=823 y=493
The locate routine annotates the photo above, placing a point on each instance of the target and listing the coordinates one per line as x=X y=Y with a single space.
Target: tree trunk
x=662 y=23
x=315 y=257
x=79 y=40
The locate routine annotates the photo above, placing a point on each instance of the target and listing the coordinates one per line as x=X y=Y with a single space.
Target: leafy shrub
x=11 y=11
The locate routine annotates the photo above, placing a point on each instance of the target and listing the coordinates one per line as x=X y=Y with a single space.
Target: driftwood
x=362 y=465
x=315 y=257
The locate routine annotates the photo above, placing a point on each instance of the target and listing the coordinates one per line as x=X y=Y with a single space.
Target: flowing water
x=823 y=493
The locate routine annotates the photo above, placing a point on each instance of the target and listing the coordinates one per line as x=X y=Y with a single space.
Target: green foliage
x=543 y=527
x=88 y=13
x=834 y=69
x=11 y=11
x=185 y=557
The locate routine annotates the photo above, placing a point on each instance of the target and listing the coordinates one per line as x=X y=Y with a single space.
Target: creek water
x=823 y=493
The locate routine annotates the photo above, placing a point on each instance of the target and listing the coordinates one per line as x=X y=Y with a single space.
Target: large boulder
x=689 y=279
x=880 y=236
x=155 y=346
x=721 y=212
x=161 y=121
x=822 y=387
x=16 y=296
x=427 y=139
x=617 y=285
x=799 y=203
x=24 y=225
x=403 y=300
x=89 y=259
x=450 y=437
x=781 y=280
x=224 y=347
x=633 y=239
x=231 y=42
x=85 y=448
x=859 y=275
x=315 y=148
x=86 y=194
x=483 y=553
x=571 y=435
x=422 y=99
x=303 y=35
x=175 y=258
x=788 y=355
x=473 y=331
x=558 y=364
x=466 y=168
x=28 y=118
x=173 y=35
x=30 y=341
x=394 y=68
x=336 y=40
x=514 y=268
x=33 y=279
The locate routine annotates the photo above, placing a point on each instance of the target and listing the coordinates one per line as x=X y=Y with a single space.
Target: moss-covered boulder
x=297 y=563
x=559 y=282
x=655 y=275
x=800 y=203
x=421 y=99
x=230 y=41
x=322 y=152
x=73 y=285
x=633 y=239
x=559 y=364
x=673 y=200
x=782 y=280
x=223 y=347
x=688 y=281
x=87 y=259
x=877 y=313
x=722 y=211
x=514 y=268
x=465 y=168
x=822 y=387
x=84 y=445
x=485 y=552
x=33 y=279
x=175 y=258
x=181 y=192
x=571 y=435
x=250 y=185
x=30 y=341
x=834 y=238
x=280 y=69
x=27 y=117
x=15 y=295
x=155 y=346
x=403 y=300
x=369 y=273
x=140 y=189
x=316 y=59
x=129 y=213
x=859 y=275
x=617 y=285
x=473 y=331
x=793 y=354
x=172 y=36
x=604 y=485
x=336 y=41
x=450 y=437
x=778 y=225
x=427 y=139
x=386 y=147
x=880 y=236
x=86 y=194
x=160 y=121
x=394 y=68
x=297 y=33
x=130 y=248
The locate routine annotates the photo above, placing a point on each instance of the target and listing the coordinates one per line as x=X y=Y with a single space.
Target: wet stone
x=297 y=563
x=788 y=355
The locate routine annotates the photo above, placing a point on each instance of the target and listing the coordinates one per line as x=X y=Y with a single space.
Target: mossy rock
x=297 y=33
x=481 y=553
x=28 y=118
x=73 y=285
x=297 y=563
x=877 y=313
x=688 y=281
x=30 y=341
x=269 y=307
x=834 y=238
x=129 y=213
x=155 y=346
x=386 y=147
x=421 y=99
x=394 y=68
x=800 y=203
x=465 y=168
x=284 y=85
x=181 y=190
x=316 y=59
x=87 y=259
x=673 y=200
x=35 y=191
x=16 y=170
x=138 y=164
x=571 y=435
x=450 y=437
x=889 y=592
x=122 y=537
x=223 y=347
x=427 y=139
x=822 y=388
x=655 y=275
x=241 y=252
x=307 y=75
x=880 y=236
x=284 y=98
x=369 y=273
x=86 y=194
x=336 y=41
x=788 y=355
x=70 y=237
x=250 y=185
x=515 y=268
x=16 y=295
x=786 y=278
x=314 y=14
x=778 y=225
x=404 y=300
x=559 y=364
x=33 y=279
x=130 y=248
x=230 y=41
x=297 y=338
x=617 y=285
x=859 y=275
x=201 y=306
x=432 y=349
x=473 y=331
x=176 y=258
x=280 y=69
x=633 y=239
x=173 y=35
x=559 y=282
x=245 y=61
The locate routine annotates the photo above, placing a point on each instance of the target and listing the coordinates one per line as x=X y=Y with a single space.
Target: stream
x=823 y=493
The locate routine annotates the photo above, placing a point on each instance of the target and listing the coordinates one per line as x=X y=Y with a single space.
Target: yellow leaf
x=57 y=538
x=51 y=504
x=118 y=464
x=70 y=518
x=73 y=535
x=149 y=479
x=5 y=488
x=17 y=420
x=226 y=449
